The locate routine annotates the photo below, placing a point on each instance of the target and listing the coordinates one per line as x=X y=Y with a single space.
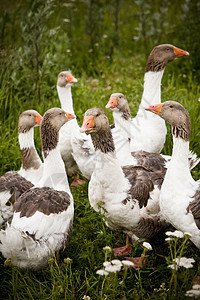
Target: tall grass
x=76 y=278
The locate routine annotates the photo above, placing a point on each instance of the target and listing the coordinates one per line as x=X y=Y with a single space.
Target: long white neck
x=65 y=97
x=122 y=139
x=26 y=140
x=54 y=174
x=29 y=155
x=178 y=172
x=152 y=88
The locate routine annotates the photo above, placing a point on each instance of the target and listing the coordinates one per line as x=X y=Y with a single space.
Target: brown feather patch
x=194 y=207
x=142 y=182
x=45 y=200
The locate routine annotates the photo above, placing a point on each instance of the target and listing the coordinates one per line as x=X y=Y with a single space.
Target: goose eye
x=60 y=114
x=171 y=106
x=168 y=49
x=30 y=115
x=97 y=115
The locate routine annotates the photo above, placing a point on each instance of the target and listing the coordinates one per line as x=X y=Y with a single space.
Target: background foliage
x=106 y=45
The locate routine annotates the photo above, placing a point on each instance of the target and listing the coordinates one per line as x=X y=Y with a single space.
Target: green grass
x=77 y=278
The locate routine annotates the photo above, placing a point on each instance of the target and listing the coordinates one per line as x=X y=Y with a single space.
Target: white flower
x=113 y=269
x=67 y=4
x=199 y=99
x=176 y=233
x=107 y=248
x=105 y=36
x=86 y=297
x=106 y=263
x=102 y=272
x=173 y=267
x=185 y=262
x=68 y=50
x=127 y=263
x=195 y=292
x=147 y=246
x=113 y=266
x=168 y=239
x=196 y=287
x=182 y=262
x=116 y=262
x=66 y=20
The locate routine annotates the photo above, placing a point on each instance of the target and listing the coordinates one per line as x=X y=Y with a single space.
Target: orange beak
x=112 y=103
x=156 y=109
x=180 y=52
x=69 y=116
x=71 y=79
x=88 y=124
x=38 y=119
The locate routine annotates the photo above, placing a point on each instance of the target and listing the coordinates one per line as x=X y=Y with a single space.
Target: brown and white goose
x=180 y=194
x=122 y=118
x=43 y=216
x=147 y=131
x=76 y=149
x=14 y=183
x=128 y=196
x=32 y=167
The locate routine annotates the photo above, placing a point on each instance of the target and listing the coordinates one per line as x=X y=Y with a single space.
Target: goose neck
x=122 y=125
x=54 y=174
x=103 y=141
x=65 y=97
x=152 y=88
x=179 y=165
x=29 y=155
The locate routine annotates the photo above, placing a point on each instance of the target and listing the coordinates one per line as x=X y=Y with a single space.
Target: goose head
x=119 y=103
x=176 y=115
x=95 y=120
x=52 y=121
x=161 y=55
x=28 y=119
x=65 y=78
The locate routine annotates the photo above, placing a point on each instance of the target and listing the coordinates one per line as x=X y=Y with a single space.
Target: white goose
x=43 y=216
x=122 y=133
x=76 y=149
x=180 y=194
x=128 y=196
x=148 y=133
x=14 y=183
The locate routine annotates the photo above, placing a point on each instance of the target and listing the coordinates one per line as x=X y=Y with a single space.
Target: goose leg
x=125 y=250
x=77 y=181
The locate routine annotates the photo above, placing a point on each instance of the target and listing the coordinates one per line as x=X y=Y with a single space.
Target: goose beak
x=69 y=116
x=38 y=119
x=156 y=109
x=179 y=52
x=71 y=79
x=112 y=103
x=88 y=124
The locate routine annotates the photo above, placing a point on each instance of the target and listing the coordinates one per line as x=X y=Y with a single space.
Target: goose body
x=180 y=194
x=15 y=183
x=147 y=132
x=129 y=195
x=43 y=216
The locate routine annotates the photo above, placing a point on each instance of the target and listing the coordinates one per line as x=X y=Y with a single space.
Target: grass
x=76 y=278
